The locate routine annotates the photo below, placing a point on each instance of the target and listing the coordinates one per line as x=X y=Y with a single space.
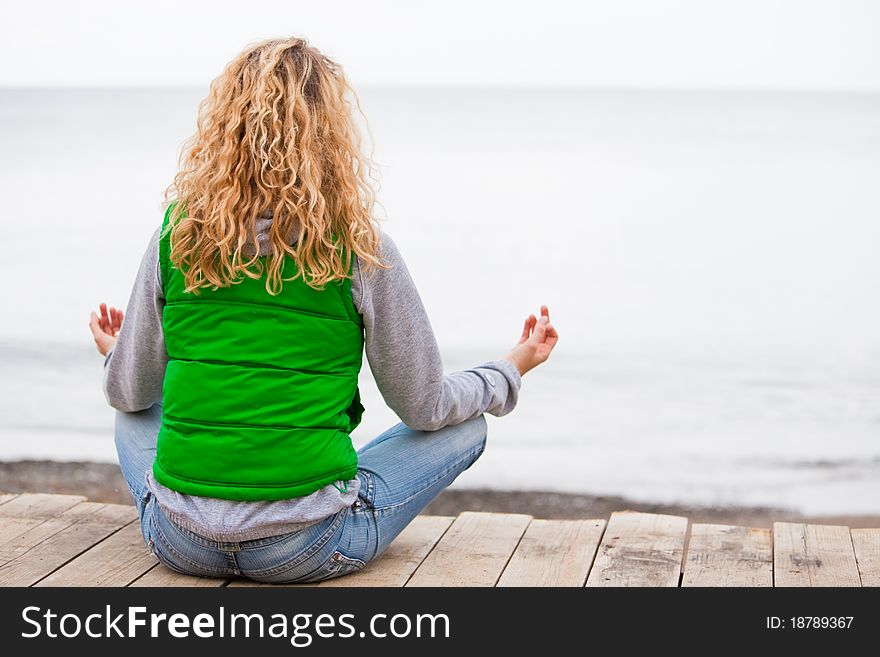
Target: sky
x=728 y=44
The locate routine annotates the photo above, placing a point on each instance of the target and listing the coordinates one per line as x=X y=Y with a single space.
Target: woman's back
x=244 y=337
x=249 y=416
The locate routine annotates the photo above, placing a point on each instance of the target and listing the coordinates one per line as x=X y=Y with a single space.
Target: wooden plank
x=473 y=551
x=25 y=512
x=32 y=564
x=554 y=553
x=160 y=576
x=6 y=497
x=12 y=528
x=38 y=505
x=397 y=564
x=640 y=549
x=116 y=561
x=867 y=548
x=16 y=546
x=813 y=555
x=724 y=555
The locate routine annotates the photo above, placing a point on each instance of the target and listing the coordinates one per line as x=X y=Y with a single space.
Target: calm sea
x=711 y=260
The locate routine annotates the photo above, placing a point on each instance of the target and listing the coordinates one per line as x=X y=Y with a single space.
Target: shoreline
x=102 y=482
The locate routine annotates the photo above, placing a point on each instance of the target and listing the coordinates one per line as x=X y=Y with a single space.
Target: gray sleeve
x=405 y=359
x=135 y=368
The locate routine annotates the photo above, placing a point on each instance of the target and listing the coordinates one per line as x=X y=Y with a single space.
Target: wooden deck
x=64 y=540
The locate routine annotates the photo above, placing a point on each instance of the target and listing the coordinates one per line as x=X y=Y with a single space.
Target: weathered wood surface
x=723 y=555
x=473 y=552
x=6 y=497
x=813 y=555
x=51 y=544
x=64 y=540
x=118 y=560
x=867 y=548
x=23 y=513
x=554 y=553
x=640 y=549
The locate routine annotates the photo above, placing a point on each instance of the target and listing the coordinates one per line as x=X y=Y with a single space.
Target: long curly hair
x=276 y=136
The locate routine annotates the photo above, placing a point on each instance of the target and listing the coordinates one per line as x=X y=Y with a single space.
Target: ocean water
x=710 y=260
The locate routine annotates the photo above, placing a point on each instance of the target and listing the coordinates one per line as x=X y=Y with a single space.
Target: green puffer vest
x=260 y=391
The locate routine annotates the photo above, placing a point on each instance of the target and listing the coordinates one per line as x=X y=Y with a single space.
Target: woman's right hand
x=538 y=339
x=105 y=327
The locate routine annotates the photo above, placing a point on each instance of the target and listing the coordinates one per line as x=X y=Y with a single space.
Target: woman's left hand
x=105 y=328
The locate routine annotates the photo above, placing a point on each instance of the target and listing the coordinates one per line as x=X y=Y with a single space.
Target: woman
x=235 y=371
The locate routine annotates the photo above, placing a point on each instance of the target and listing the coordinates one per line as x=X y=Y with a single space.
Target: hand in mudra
x=538 y=339
x=106 y=327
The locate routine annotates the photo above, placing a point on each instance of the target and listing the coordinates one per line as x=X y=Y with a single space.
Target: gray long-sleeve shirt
x=403 y=356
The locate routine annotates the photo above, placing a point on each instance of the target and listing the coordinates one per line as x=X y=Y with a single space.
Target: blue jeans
x=401 y=472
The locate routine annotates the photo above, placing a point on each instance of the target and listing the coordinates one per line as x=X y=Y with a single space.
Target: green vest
x=260 y=391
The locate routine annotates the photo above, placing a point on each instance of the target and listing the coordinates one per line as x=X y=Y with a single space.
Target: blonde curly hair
x=276 y=135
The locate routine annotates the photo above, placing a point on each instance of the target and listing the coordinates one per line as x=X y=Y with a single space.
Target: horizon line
x=481 y=88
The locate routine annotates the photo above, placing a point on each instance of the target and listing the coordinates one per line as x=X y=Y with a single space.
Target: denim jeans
x=401 y=472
